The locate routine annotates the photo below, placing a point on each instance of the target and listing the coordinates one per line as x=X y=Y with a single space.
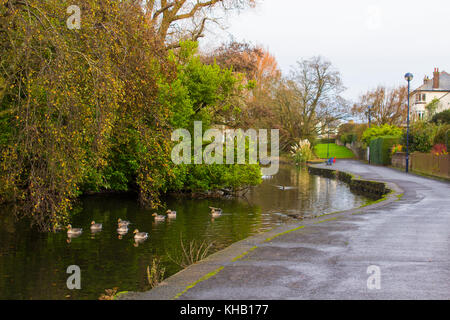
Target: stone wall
x=398 y=160
x=372 y=188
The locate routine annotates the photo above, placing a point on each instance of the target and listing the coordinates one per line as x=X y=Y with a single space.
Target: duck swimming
x=96 y=227
x=159 y=217
x=171 y=214
x=73 y=231
x=216 y=212
x=140 y=235
x=122 y=230
x=121 y=223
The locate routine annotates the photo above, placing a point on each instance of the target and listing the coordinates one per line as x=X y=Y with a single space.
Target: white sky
x=370 y=42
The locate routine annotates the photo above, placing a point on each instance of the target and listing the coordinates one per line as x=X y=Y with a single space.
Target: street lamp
x=408 y=77
x=328 y=144
x=370 y=108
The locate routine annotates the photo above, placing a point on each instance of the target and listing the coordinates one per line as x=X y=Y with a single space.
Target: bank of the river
x=406 y=236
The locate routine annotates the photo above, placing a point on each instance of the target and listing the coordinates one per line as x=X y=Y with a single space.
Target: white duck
x=216 y=212
x=73 y=231
x=121 y=223
x=171 y=214
x=140 y=235
x=159 y=217
x=96 y=227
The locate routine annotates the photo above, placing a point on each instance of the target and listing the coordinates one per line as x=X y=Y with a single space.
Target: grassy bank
x=335 y=151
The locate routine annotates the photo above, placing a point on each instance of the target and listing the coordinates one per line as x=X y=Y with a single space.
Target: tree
x=388 y=106
x=174 y=20
x=93 y=109
x=309 y=100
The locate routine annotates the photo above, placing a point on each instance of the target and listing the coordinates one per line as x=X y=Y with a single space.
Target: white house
x=436 y=88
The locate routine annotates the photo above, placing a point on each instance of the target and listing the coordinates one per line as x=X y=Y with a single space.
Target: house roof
x=444 y=83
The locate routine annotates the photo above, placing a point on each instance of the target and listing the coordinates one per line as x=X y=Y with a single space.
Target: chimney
x=436 y=78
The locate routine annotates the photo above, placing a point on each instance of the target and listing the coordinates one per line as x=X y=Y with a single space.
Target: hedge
x=380 y=149
x=325 y=140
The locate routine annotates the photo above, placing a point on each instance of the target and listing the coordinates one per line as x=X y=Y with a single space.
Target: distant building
x=436 y=88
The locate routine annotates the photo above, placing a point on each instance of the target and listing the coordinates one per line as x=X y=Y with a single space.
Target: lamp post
x=369 y=108
x=328 y=143
x=408 y=77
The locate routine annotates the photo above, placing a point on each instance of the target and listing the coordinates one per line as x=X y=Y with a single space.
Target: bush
x=421 y=137
x=380 y=149
x=302 y=152
x=351 y=132
x=439 y=149
x=321 y=141
x=348 y=138
x=442 y=135
x=396 y=148
x=380 y=131
x=442 y=117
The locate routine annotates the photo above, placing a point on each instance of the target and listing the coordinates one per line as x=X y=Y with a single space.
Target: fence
x=425 y=163
x=431 y=164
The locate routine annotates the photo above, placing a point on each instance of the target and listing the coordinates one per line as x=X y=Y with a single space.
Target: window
x=421 y=97
x=420 y=115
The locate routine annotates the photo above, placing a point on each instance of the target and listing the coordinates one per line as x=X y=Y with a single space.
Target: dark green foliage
x=442 y=117
x=421 y=136
x=322 y=141
x=380 y=149
x=442 y=135
x=348 y=138
x=351 y=132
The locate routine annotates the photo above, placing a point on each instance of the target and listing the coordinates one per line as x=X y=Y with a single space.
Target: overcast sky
x=370 y=42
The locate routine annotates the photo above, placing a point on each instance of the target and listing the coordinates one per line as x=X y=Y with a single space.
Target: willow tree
x=66 y=93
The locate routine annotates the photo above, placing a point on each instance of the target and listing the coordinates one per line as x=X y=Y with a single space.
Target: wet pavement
x=406 y=238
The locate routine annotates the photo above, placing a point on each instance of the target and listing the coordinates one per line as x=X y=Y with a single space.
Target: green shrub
x=380 y=149
x=442 y=135
x=322 y=141
x=380 y=131
x=442 y=117
x=302 y=152
x=421 y=136
x=348 y=138
x=351 y=132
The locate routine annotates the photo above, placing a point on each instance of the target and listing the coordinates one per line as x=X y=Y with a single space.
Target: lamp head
x=409 y=77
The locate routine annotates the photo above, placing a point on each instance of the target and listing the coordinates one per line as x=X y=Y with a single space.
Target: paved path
x=408 y=239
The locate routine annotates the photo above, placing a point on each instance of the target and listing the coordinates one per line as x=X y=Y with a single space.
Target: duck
x=159 y=217
x=73 y=231
x=121 y=223
x=95 y=227
x=216 y=212
x=122 y=230
x=171 y=214
x=140 y=235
